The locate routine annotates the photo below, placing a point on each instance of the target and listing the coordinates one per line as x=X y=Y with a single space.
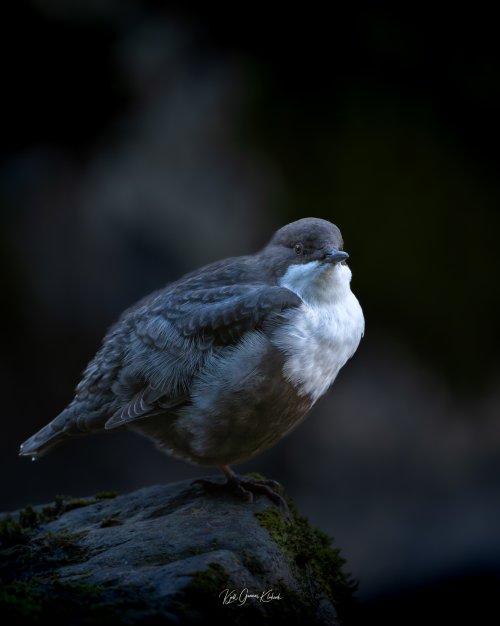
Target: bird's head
x=307 y=257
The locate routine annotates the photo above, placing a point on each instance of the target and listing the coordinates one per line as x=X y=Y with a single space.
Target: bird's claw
x=245 y=488
x=266 y=487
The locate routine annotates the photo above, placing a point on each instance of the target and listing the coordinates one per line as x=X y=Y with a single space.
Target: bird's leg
x=245 y=487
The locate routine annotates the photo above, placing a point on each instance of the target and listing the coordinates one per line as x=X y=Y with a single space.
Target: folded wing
x=173 y=333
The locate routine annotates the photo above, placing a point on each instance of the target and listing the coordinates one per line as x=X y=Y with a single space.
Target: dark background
x=141 y=140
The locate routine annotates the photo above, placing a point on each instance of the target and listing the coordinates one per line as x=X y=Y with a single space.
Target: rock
x=168 y=554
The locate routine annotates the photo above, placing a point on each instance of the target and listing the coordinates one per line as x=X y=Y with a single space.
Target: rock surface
x=165 y=555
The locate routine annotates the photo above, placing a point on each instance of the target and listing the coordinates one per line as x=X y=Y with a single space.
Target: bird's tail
x=48 y=437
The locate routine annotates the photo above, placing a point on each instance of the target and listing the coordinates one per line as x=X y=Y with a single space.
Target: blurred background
x=141 y=140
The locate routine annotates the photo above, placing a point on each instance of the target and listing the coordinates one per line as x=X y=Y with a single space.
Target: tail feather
x=47 y=437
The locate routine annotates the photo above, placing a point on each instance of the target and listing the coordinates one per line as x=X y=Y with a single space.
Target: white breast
x=324 y=332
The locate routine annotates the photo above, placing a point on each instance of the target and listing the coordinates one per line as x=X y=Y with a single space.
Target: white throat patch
x=317 y=282
x=324 y=332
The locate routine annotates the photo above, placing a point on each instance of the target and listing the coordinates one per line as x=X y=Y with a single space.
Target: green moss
x=312 y=556
x=105 y=495
x=291 y=610
x=11 y=533
x=14 y=532
x=52 y=511
x=255 y=475
x=57 y=548
x=35 y=601
x=107 y=522
x=41 y=556
x=252 y=563
x=214 y=578
x=20 y=601
x=49 y=601
x=28 y=518
x=18 y=531
x=76 y=503
x=63 y=504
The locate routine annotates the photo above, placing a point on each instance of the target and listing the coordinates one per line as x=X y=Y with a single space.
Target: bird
x=219 y=365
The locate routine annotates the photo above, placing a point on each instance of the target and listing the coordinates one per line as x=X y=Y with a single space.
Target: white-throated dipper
x=221 y=364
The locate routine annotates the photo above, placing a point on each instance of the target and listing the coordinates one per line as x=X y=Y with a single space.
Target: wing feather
x=171 y=338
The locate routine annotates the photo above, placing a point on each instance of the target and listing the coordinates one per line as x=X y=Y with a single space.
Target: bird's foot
x=245 y=487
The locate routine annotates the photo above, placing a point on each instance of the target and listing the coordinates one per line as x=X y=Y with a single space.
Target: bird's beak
x=333 y=255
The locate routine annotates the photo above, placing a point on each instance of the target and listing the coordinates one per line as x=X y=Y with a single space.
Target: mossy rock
x=314 y=560
x=168 y=554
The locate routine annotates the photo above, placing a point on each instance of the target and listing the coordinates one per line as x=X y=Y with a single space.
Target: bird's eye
x=299 y=248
